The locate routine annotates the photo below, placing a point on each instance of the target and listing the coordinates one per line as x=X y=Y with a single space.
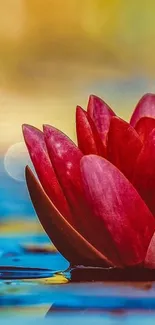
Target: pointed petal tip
x=26 y=127
x=30 y=129
x=54 y=134
x=147 y=97
x=88 y=159
x=27 y=170
x=145 y=107
x=32 y=136
x=79 y=109
x=148 y=94
x=92 y=97
x=47 y=128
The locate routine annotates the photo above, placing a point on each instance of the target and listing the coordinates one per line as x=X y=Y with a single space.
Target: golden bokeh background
x=54 y=53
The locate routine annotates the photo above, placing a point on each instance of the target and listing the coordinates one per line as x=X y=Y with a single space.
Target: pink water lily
x=96 y=201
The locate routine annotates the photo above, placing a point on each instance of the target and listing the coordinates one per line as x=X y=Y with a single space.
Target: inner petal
x=119 y=208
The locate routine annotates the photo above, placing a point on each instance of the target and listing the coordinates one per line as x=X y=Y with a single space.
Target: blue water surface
x=37 y=287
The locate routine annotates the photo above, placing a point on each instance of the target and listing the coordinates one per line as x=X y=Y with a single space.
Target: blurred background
x=53 y=54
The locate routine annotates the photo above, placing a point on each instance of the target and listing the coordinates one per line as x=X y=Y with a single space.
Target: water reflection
x=71 y=296
x=36 y=280
x=10 y=273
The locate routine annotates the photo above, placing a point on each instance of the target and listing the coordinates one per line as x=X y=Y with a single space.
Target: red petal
x=66 y=239
x=66 y=157
x=118 y=206
x=150 y=256
x=124 y=146
x=144 y=127
x=89 y=141
x=101 y=114
x=85 y=137
x=34 y=139
x=144 y=173
x=101 y=147
x=145 y=107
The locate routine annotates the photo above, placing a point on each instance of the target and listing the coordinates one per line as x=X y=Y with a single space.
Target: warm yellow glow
x=54 y=53
x=56 y=279
x=16 y=227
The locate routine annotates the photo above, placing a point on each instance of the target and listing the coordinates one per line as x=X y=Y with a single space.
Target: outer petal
x=101 y=114
x=34 y=139
x=144 y=173
x=115 y=201
x=66 y=157
x=89 y=140
x=145 y=107
x=66 y=239
x=150 y=256
x=124 y=146
x=144 y=127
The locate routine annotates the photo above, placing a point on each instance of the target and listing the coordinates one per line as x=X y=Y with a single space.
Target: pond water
x=36 y=285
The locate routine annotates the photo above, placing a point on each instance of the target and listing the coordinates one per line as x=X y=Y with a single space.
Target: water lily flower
x=96 y=200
